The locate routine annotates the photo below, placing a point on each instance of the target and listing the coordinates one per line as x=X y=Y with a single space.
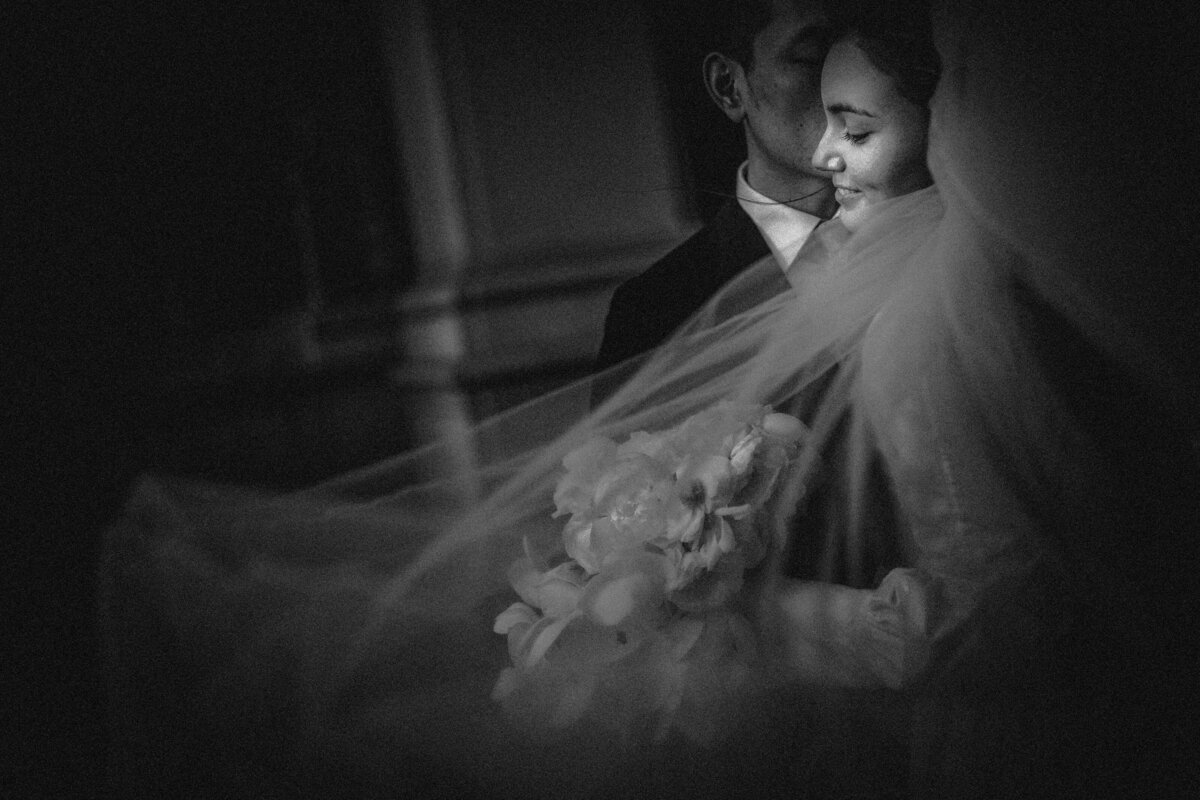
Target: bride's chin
x=852 y=214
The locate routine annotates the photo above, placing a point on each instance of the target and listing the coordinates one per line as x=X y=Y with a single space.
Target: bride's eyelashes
x=855 y=138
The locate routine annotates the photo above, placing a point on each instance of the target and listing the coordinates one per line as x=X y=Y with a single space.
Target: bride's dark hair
x=897 y=39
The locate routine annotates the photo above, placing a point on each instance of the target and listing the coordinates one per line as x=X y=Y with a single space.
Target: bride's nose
x=826 y=158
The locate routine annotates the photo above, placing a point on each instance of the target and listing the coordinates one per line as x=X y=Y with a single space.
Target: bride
x=956 y=582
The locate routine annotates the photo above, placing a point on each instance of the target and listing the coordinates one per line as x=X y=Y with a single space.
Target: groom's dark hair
x=731 y=25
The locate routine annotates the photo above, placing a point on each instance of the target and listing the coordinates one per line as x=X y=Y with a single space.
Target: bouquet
x=634 y=622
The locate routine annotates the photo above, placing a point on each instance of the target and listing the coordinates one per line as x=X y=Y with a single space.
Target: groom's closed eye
x=808 y=47
x=808 y=54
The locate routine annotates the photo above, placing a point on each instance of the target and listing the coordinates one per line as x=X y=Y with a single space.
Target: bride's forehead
x=848 y=71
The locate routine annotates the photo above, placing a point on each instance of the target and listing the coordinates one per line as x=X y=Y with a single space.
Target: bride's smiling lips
x=846 y=195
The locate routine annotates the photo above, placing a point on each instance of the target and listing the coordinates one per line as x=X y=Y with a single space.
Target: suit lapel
x=738 y=242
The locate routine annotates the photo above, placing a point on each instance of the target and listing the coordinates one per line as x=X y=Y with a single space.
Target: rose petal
x=713 y=473
x=517 y=639
x=524 y=578
x=584 y=465
x=734 y=512
x=632 y=588
x=544 y=638
x=558 y=597
x=783 y=426
x=614 y=601
x=742 y=453
x=515 y=614
x=577 y=540
x=726 y=541
x=686 y=526
x=535 y=558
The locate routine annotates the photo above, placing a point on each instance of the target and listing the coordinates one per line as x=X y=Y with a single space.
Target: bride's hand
x=836 y=635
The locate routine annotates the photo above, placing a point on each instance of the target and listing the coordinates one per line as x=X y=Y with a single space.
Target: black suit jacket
x=647 y=309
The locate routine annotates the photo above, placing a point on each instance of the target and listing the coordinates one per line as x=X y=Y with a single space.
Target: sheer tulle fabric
x=366 y=609
x=344 y=633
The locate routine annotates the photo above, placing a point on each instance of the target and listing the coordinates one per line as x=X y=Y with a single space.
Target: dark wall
x=189 y=178
x=199 y=173
x=201 y=190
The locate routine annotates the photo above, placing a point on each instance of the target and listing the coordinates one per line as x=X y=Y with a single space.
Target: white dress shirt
x=784 y=228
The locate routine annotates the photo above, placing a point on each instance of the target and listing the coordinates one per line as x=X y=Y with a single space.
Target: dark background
x=189 y=179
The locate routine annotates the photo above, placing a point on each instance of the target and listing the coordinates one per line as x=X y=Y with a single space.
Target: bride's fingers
x=819 y=621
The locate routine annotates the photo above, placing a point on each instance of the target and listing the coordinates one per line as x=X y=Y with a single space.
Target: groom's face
x=782 y=85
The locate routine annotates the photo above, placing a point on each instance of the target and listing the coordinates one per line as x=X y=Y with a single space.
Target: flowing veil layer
x=365 y=604
x=339 y=641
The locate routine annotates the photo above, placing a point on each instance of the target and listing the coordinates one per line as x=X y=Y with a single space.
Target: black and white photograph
x=664 y=399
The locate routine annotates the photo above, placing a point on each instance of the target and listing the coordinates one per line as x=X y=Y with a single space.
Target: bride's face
x=875 y=138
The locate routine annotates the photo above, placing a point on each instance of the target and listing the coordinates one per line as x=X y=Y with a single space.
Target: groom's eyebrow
x=818 y=34
x=846 y=108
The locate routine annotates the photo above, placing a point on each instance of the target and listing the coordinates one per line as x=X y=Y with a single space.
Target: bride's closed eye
x=856 y=138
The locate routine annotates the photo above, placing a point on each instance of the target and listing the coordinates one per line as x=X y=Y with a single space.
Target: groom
x=765 y=76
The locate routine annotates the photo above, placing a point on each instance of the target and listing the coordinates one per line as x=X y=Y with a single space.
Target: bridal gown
x=991 y=370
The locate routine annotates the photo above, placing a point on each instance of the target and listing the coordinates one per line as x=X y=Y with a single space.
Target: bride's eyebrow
x=846 y=108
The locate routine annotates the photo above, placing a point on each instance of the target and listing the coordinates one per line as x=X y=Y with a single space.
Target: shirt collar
x=784 y=228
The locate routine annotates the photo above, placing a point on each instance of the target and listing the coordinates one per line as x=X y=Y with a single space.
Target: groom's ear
x=724 y=79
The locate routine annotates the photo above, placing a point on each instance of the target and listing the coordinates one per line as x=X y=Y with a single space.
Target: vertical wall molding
x=430 y=329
